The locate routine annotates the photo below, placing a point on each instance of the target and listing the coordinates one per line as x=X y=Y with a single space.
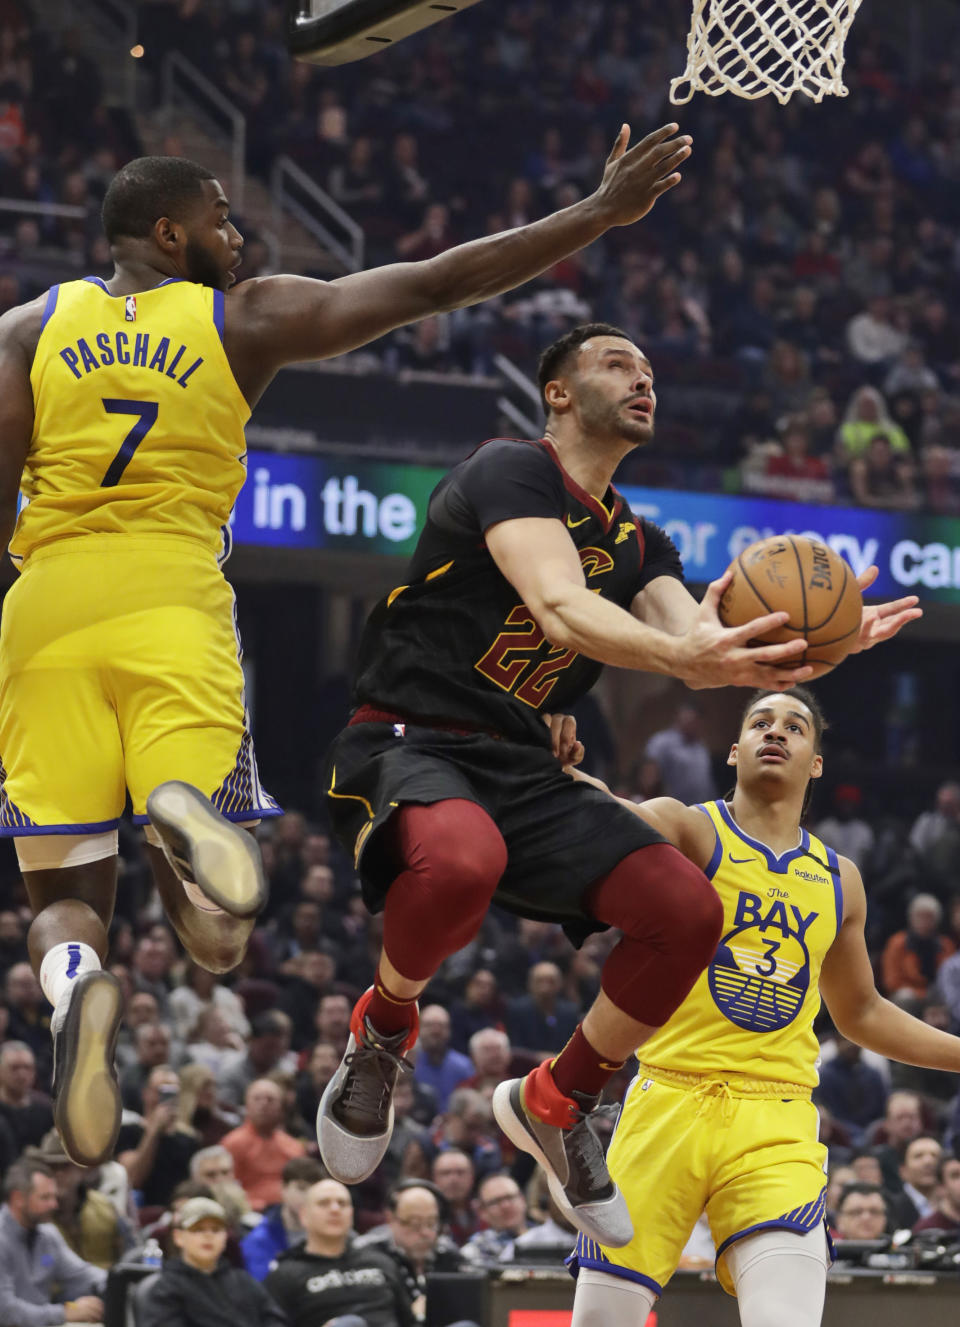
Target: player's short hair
x=554 y=360
x=805 y=697
x=148 y=188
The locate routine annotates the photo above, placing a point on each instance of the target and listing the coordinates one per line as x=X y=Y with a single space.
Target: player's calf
x=206 y=851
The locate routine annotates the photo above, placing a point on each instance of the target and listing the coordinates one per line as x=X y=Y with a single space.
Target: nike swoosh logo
x=742 y=861
x=572 y=525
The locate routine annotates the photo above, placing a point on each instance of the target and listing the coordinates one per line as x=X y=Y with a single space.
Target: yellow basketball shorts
x=744 y=1150
x=120 y=668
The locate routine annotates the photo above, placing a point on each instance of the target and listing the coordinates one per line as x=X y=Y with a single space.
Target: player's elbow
x=549 y=608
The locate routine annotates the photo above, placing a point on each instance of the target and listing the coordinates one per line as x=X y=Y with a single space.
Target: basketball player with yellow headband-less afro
x=719 y=1116
x=122 y=409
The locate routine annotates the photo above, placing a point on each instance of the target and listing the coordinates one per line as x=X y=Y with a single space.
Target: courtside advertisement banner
x=316 y=502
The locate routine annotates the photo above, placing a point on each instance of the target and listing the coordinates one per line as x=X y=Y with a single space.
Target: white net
x=755 y=47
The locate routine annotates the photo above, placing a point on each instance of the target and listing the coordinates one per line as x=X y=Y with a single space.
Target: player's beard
x=202 y=268
x=604 y=419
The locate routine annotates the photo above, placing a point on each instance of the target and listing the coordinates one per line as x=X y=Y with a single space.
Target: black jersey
x=456 y=644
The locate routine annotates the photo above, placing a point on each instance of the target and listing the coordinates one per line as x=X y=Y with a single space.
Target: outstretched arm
x=857 y=1008
x=279 y=320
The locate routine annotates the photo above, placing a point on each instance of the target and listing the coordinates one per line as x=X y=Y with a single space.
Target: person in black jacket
x=329 y=1276
x=201 y=1289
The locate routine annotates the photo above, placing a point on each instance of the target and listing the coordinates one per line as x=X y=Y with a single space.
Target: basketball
x=803 y=577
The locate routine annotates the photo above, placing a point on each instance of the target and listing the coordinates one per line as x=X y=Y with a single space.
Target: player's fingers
x=662 y=186
x=667 y=156
x=898 y=606
x=889 y=626
x=758 y=627
x=715 y=591
x=567 y=735
x=658 y=136
x=775 y=679
x=577 y=753
x=867 y=577
x=620 y=143
x=772 y=654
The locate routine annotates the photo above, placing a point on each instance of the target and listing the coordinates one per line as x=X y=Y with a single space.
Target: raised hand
x=633 y=180
x=881 y=622
x=712 y=655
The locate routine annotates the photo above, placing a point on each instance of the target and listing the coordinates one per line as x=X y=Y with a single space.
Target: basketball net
x=755 y=47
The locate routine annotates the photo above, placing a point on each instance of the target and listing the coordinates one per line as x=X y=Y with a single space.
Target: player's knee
x=461 y=849
x=699 y=911
x=667 y=901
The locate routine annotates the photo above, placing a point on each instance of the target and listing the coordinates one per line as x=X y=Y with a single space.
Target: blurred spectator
x=333 y=1021
x=87 y=1220
x=34 y=1257
x=940 y=492
x=910 y=373
x=327 y=1275
x=200 y=1288
x=268 y=1049
x=412 y=1238
x=213 y=1043
x=468 y=1126
x=946 y=1212
x=27 y=1111
x=152 y=1044
x=866 y=417
x=901 y=1123
x=482 y=1006
x=140 y=1008
x=881 y=478
x=454 y=1175
x=854 y=1093
x=437 y=1065
x=156 y=1150
x=936 y=834
x=280 y=1225
x=29 y=1013
x=152 y=961
x=794 y=474
x=683 y=759
x=863 y=1212
x=911 y=958
x=201 y=991
x=311 y=1082
x=259 y=1147
x=845 y=830
x=491 y=1055
x=198 y=1106
x=871 y=335
x=405 y=1128
x=13 y=940
x=555 y=1233
x=542 y=1020
x=503 y=1208
x=921 y=1163
x=213 y=1166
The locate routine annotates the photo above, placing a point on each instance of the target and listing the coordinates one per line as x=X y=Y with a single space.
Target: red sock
x=389 y=1013
x=581 y=1068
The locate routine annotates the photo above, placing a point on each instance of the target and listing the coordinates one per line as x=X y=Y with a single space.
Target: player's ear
x=732 y=758
x=816 y=769
x=168 y=235
x=556 y=394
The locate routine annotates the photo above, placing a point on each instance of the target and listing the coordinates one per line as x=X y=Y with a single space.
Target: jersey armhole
x=218 y=313
x=52 y=295
x=710 y=869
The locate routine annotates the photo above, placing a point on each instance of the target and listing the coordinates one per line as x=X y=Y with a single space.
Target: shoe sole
x=510 y=1116
x=222 y=860
x=87 y=1109
x=337 y=1145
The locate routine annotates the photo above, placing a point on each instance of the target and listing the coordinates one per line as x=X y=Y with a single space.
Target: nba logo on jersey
x=399 y=730
x=130 y=308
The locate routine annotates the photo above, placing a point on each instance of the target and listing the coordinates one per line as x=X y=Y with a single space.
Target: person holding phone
x=156 y=1152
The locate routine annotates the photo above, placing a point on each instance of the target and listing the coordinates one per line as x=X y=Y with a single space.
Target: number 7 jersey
x=138 y=420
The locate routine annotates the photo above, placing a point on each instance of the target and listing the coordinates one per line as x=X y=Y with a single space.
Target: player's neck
x=131 y=275
x=589 y=465
x=773 y=821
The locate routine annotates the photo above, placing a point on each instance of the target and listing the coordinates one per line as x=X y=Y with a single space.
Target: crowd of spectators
x=795 y=293
x=221 y=1078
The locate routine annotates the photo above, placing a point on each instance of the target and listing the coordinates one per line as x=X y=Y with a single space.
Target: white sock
x=61 y=967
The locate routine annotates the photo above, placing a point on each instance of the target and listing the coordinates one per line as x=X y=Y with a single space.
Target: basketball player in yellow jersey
x=719 y=1116
x=122 y=408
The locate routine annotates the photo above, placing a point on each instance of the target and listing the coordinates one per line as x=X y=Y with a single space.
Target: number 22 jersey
x=138 y=420
x=456 y=644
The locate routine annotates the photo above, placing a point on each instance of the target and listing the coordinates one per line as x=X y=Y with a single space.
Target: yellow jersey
x=751 y=1011
x=138 y=419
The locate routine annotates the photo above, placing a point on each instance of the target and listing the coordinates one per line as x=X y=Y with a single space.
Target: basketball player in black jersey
x=530 y=574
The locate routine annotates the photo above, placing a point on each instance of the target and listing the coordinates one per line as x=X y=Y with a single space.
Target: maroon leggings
x=453 y=857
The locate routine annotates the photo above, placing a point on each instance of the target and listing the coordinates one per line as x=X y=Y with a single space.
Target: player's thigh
x=562 y=836
x=76 y=868
x=780 y=1277
x=770 y=1174
x=658 y=1159
x=180 y=703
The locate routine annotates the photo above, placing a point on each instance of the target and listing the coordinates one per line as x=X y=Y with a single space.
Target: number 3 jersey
x=751 y=1011
x=455 y=643
x=138 y=420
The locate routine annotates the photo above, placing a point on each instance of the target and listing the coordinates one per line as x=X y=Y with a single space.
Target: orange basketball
x=802 y=577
